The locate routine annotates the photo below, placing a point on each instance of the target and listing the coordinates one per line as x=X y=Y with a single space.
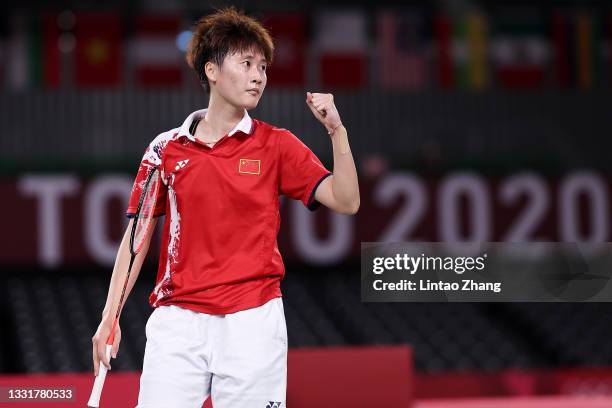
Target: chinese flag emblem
x=249 y=166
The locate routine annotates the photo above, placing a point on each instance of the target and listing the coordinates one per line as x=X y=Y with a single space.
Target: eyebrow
x=251 y=56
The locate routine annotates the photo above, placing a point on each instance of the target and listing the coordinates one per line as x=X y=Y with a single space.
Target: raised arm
x=339 y=192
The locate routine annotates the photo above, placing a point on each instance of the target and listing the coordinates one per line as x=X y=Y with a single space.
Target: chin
x=251 y=104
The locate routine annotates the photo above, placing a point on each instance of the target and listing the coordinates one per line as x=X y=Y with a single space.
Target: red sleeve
x=300 y=172
x=151 y=159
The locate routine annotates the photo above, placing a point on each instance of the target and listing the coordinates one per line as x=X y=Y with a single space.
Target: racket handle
x=94 y=399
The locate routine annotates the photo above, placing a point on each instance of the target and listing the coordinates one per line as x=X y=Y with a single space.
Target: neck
x=221 y=117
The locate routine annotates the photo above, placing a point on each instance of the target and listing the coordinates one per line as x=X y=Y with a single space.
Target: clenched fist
x=323 y=108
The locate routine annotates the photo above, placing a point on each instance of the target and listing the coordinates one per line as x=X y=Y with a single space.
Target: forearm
x=345 y=186
x=120 y=271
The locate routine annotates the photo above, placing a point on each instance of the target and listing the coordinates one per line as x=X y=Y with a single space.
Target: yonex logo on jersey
x=180 y=164
x=249 y=166
x=273 y=404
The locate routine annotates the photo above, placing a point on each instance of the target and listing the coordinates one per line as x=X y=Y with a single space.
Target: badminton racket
x=140 y=230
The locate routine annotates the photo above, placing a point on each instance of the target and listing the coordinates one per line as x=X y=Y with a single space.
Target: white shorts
x=240 y=359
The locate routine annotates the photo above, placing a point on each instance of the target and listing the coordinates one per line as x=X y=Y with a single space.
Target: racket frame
x=96 y=392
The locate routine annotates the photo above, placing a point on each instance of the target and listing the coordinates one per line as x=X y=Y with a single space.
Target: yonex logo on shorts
x=273 y=404
x=180 y=164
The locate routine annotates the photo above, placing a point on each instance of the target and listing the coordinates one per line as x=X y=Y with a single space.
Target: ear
x=211 y=70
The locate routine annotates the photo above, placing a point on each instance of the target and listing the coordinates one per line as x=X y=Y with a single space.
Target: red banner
x=350 y=377
x=63 y=219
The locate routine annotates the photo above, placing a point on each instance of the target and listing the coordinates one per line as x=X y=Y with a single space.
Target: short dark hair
x=223 y=32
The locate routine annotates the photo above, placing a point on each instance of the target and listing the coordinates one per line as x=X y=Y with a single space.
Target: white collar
x=245 y=125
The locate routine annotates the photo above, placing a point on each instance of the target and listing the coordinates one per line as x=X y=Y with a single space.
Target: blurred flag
x=579 y=49
x=589 y=49
x=403 y=43
x=2 y=62
x=155 y=58
x=584 y=50
x=32 y=53
x=341 y=42
x=469 y=51
x=99 y=53
x=520 y=50
x=3 y=49
x=564 y=60
x=443 y=34
x=477 y=50
x=607 y=46
x=460 y=51
x=289 y=33
x=51 y=65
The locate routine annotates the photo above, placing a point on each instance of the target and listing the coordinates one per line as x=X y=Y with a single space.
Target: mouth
x=254 y=92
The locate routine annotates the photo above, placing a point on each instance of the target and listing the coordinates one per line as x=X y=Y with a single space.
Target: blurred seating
x=54 y=318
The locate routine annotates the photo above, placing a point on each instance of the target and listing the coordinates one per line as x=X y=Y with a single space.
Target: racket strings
x=146 y=211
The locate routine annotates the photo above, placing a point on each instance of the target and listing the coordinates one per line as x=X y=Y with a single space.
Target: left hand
x=324 y=109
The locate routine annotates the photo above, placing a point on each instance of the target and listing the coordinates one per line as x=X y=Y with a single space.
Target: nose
x=257 y=76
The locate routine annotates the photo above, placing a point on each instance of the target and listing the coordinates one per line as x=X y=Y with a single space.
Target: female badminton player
x=218 y=325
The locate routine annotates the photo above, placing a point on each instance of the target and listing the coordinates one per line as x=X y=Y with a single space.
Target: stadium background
x=469 y=121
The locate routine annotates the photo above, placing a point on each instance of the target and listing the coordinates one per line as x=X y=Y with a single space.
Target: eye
x=263 y=67
x=247 y=63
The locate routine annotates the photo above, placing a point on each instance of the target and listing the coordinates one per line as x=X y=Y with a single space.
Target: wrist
x=107 y=316
x=333 y=129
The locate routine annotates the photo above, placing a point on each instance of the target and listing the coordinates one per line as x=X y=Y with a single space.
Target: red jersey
x=219 y=252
